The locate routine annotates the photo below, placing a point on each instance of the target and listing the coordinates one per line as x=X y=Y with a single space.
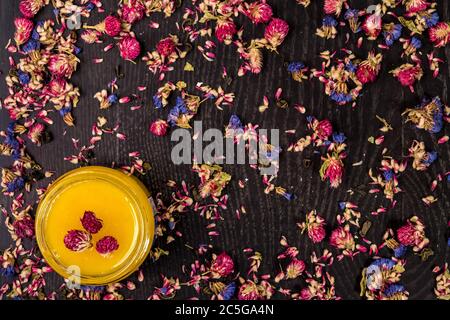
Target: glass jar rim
x=142 y=243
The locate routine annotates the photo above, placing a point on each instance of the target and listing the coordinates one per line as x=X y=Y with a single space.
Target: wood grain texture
x=268 y=217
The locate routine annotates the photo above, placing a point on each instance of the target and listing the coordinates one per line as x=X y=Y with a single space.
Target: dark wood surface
x=268 y=217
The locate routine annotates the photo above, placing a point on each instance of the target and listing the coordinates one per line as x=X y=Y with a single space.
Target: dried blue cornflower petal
x=391 y=33
x=235 y=123
x=339 y=137
x=113 y=99
x=157 y=102
x=400 y=251
x=431 y=20
x=394 y=289
x=228 y=292
x=24 y=77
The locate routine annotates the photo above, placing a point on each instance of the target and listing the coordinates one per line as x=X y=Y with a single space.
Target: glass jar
x=125 y=208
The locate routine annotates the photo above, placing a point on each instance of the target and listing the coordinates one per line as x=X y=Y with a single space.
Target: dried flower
x=24 y=28
x=408 y=74
x=314 y=225
x=428 y=115
x=29 y=8
x=368 y=69
x=106 y=245
x=413 y=234
x=91 y=223
x=440 y=34
x=166 y=46
x=276 y=32
x=129 y=48
x=222 y=265
x=225 y=30
x=372 y=26
x=259 y=12
x=77 y=240
x=159 y=127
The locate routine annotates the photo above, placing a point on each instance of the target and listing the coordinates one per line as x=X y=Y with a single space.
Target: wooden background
x=268 y=217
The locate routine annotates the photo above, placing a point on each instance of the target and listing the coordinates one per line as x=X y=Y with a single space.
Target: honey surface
x=109 y=204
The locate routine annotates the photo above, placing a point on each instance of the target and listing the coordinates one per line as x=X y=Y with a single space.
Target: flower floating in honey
x=380 y=280
x=412 y=234
x=421 y=158
x=106 y=245
x=428 y=115
x=314 y=225
x=77 y=240
x=91 y=223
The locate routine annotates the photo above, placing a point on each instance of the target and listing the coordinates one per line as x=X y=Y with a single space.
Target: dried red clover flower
x=222 y=265
x=106 y=245
x=90 y=222
x=129 y=48
x=77 y=240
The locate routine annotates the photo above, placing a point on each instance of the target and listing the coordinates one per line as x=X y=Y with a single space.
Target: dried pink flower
x=107 y=245
x=259 y=12
x=368 y=69
x=77 y=240
x=129 y=48
x=295 y=268
x=90 y=222
x=112 y=26
x=24 y=28
x=133 y=11
x=323 y=129
x=372 y=26
x=29 y=8
x=35 y=133
x=249 y=291
x=276 y=32
x=222 y=265
x=413 y=234
x=440 y=34
x=332 y=169
x=24 y=227
x=166 y=46
x=62 y=65
x=159 y=127
x=408 y=74
x=341 y=238
x=225 y=30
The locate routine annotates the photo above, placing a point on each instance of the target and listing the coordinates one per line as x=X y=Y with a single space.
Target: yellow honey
x=122 y=204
